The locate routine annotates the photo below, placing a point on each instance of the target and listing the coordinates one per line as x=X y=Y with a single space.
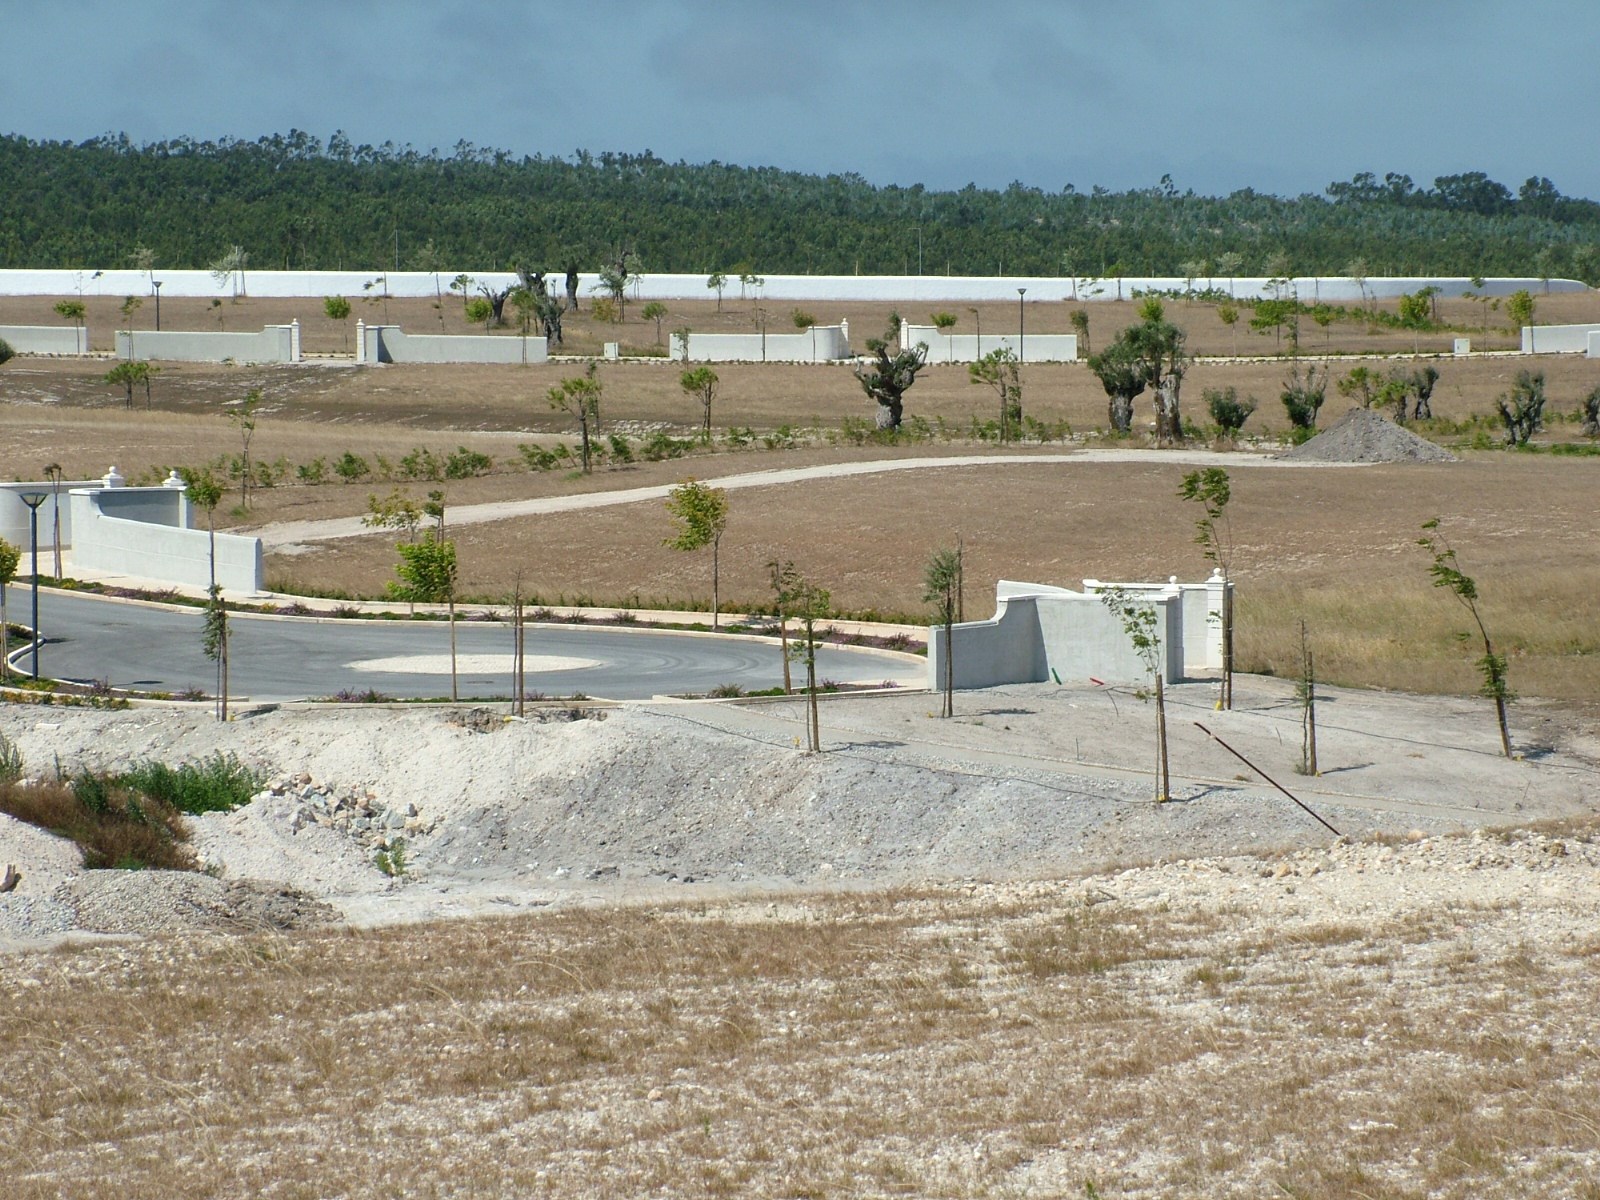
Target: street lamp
x=33 y=500
x=1022 y=333
x=156 y=284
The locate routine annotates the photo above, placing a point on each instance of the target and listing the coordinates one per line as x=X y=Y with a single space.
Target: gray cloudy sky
x=1279 y=95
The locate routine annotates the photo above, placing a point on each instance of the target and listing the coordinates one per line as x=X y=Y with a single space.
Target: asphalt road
x=158 y=649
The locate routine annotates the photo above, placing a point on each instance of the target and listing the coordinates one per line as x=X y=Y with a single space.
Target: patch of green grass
x=220 y=783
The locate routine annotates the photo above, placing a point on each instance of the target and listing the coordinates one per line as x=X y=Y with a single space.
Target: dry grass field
x=1334 y=546
x=1338 y=1024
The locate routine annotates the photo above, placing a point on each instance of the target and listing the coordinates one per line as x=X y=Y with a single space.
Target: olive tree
x=426 y=574
x=579 y=398
x=1446 y=572
x=1139 y=623
x=205 y=492
x=701 y=383
x=701 y=513
x=941 y=583
x=889 y=376
x=1209 y=487
x=999 y=370
x=1522 y=408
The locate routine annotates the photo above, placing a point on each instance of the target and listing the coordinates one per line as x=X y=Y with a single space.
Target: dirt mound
x=1363 y=436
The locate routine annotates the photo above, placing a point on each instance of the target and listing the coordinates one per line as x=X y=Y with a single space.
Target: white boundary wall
x=970 y=347
x=14 y=513
x=274 y=344
x=1557 y=339
x=1593 y=349
x=391 y=344
x=820 y=343
x=1039 y=630
x=902 y=288
x=46 y=339
x=148 y=533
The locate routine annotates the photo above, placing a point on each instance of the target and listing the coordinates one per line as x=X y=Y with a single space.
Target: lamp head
x=33 y=499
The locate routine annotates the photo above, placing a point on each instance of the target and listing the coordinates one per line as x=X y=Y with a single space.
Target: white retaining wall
x=46 y=339
x=902 y=288
x=148 y=533
x=820 y=343
x=970 y=347
x=1039 y=631
x=1557 y=339
x=274 y=344
x=391 y=344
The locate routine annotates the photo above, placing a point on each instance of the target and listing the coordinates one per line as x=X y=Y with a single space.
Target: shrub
x=220 y=783
x=6 y=350
x=421 y=463
x=312 y=472
x=1227 y=410
x=465 y=463
x=351 y=467
x=10 y=761
x=621 y=449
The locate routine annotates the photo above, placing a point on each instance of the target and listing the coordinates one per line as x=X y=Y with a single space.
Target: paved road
x=156 y=648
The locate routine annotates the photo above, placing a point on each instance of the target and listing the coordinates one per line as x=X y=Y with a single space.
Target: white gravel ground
x=699 y=800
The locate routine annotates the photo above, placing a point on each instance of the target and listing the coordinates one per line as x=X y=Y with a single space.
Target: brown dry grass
x=125 y=832
x=940 y=1044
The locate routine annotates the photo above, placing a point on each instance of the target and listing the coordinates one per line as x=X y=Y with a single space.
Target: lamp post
x=1022 y=333
x=1022 y=351
x=33 y=500
x=156 y=284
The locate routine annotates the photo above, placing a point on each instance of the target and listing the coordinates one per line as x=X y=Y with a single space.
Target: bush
x=7 y=352
x=1227 y=410
x=421 y=463
x=621 y=448
x=465 y=463
x=351 y=467
x=312 y=472
x=220 y=783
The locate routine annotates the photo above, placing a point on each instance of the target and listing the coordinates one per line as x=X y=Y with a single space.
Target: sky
x=1283 y=96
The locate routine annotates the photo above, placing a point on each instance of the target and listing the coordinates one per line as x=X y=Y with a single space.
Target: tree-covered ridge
x=294 y=203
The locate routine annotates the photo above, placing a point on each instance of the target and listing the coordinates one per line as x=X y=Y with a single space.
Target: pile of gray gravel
x=1363 y=436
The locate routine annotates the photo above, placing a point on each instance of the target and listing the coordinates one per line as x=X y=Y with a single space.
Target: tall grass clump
x=113 y=826
x=220 y=783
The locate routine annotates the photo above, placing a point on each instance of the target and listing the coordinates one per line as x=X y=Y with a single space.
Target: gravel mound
x=1363 y=436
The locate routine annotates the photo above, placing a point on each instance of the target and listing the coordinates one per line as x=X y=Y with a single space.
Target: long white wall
x=391 y=344
x=273 y=344
x=46 y=339
x=969 y=347
x=1557 y=339
x=820 y=343
x=147 y=533
x=902 y=288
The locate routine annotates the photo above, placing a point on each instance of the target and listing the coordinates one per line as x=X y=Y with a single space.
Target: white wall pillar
x=113 y=478
x=361 y=342
x=294 y=340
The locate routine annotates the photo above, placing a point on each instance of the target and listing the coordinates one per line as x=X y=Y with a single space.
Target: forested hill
x=292 y=202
